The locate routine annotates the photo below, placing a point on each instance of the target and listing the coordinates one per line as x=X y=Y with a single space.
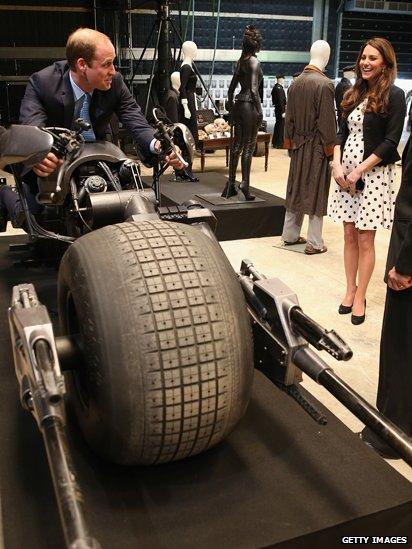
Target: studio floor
x=319 y=283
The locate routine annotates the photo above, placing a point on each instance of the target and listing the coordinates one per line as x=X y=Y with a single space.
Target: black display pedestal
x=235 y=219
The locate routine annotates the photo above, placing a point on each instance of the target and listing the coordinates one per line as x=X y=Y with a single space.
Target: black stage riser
x=235 y=221
x=280 y=479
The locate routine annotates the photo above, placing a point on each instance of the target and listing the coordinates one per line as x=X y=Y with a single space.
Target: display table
x=225 y=142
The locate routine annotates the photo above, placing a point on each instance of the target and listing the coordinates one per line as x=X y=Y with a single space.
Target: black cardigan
x=381 y=132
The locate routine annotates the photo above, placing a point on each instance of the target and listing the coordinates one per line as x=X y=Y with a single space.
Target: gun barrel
x=68 y=494
x=322 y=339
x=42 y=389
x=310 y=363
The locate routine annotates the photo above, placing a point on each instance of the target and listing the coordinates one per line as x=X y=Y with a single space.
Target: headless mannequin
x=310 y=105
x=279 y=102
x=246 y=113
x=319 y=54
x=188 y=88
x=175 y=80
x=174 y=112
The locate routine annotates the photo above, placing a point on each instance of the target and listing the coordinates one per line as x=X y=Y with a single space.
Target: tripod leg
x=149 y=91
x=141 y=55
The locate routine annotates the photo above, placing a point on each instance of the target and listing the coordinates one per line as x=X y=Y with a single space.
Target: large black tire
x=167 y=342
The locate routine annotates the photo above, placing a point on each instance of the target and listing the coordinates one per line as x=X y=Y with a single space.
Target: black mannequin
x=279 y=102
x=246 y=112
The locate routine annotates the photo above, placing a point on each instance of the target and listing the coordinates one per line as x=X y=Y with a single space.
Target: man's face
x=99 y=74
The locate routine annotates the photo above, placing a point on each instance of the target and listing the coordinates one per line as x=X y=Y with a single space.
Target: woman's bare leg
x=366 y=242
x=350 y=259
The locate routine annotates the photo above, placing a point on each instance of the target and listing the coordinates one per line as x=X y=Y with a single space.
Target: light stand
x=163 y=26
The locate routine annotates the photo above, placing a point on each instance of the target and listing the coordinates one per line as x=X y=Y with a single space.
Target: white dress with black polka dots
x=374 y=206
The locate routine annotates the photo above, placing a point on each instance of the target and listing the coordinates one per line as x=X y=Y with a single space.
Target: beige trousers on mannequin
x=293 y=224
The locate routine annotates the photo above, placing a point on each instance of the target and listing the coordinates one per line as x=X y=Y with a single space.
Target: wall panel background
x=359 y=26
x=32 y=37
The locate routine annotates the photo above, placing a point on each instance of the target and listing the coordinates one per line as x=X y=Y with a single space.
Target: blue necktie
x=84 y=113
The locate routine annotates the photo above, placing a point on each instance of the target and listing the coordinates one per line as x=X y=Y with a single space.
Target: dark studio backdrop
x=33 y=34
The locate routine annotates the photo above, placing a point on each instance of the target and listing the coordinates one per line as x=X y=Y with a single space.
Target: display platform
x=237 y=220
x=216 y=199
x=279 y=480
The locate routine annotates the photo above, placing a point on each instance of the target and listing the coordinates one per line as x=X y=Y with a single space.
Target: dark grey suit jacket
x=49 y=101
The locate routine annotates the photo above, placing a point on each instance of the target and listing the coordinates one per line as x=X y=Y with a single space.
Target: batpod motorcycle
x=158 y=339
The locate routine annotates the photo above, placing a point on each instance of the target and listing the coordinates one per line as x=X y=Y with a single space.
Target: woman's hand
x=338 y=174
x=352 y=178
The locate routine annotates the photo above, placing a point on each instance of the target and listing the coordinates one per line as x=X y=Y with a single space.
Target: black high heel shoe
x=344 y=309
x=229 y=190
x=190 y=176
x=356 y=320
x=245 y=190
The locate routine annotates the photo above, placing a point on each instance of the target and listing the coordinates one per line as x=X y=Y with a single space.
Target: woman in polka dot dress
x=364 y=166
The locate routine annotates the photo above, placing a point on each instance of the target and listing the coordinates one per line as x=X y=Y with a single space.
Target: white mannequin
x=175 y=80
x=319 y=54
x=350 y=75
x=189 y=50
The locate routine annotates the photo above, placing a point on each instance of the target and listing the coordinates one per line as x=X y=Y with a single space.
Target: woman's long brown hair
x=378 y=95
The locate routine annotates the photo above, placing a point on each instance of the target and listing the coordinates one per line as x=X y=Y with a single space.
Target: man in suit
x=86 y=85
x=342 y=87
x=279 y=102
x=395 y=374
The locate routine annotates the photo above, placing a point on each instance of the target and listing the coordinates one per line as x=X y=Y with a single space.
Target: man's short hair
x=82 y=43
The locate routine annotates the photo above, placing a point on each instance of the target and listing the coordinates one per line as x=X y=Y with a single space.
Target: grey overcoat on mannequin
x=310 y=134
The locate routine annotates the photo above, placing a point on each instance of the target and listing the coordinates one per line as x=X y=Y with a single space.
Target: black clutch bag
x=360 y=185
